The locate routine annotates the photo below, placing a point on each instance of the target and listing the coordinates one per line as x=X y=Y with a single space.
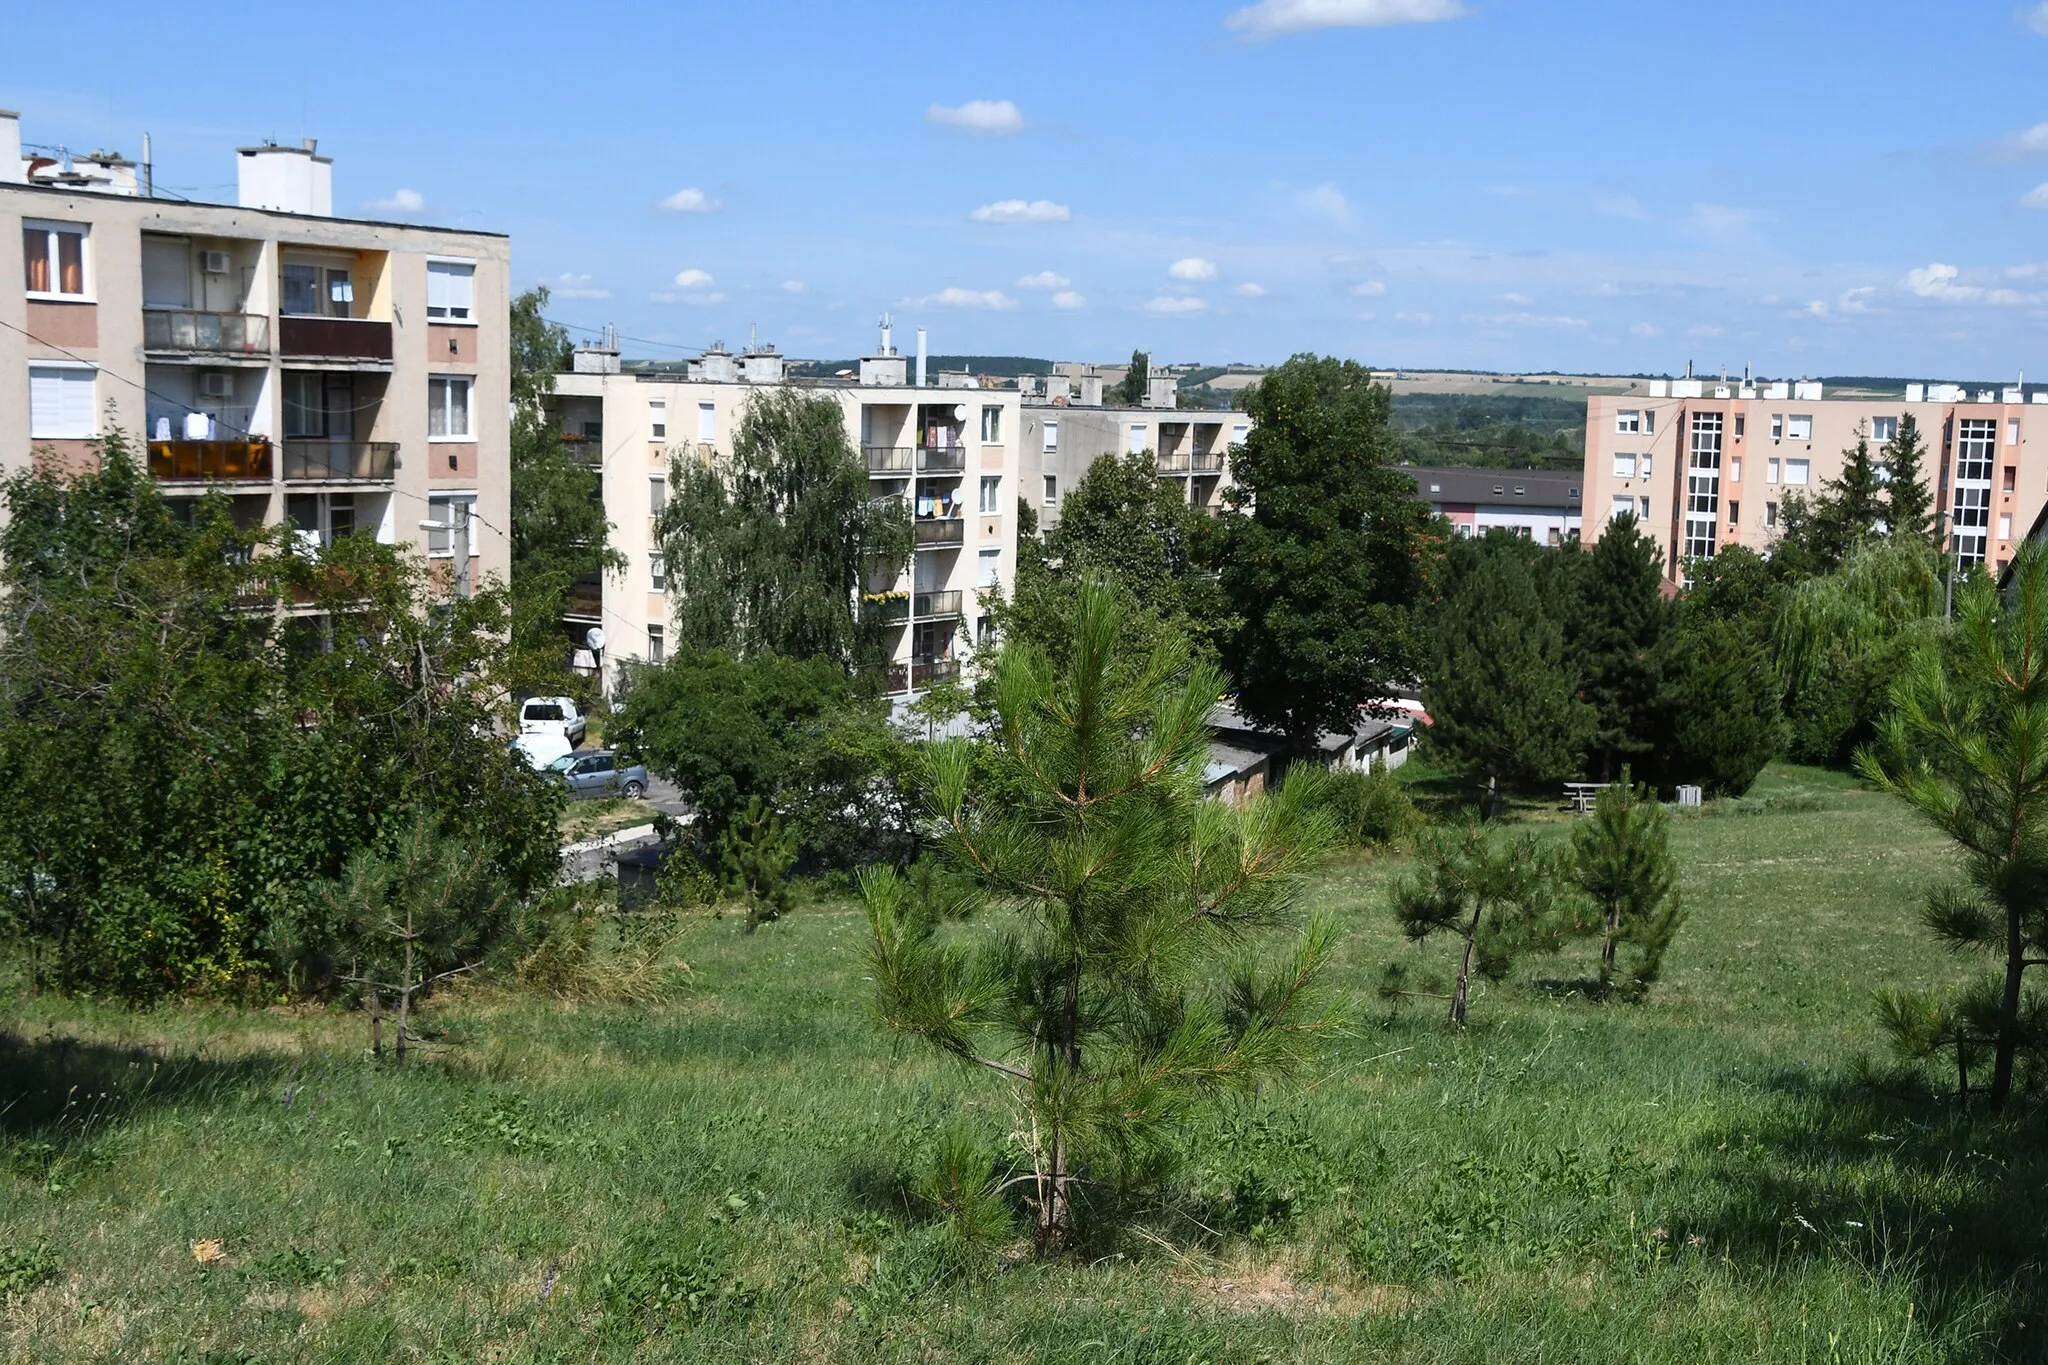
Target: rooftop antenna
x=1688 y=369
x=753 y=333
x=148 y=170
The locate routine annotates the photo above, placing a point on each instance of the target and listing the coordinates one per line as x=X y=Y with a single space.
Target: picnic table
x=1582 y=794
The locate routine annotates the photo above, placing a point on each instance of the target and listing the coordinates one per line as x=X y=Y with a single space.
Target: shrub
x=1370 y=809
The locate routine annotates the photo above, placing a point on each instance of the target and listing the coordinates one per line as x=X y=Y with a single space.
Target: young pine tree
x=1908 y=503
x=1966 y=745
x=1123 y=991
x=1620 y=619
x=755 y=854
x=1497 y=898
x=1621 y=858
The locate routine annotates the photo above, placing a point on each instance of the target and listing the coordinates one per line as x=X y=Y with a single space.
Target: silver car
x=596 y=773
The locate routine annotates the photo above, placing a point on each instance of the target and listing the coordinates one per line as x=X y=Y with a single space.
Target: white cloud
x=1523 y=299
x=1326 y=199
x=979 y=118
x=1274 y=18
x=1530 y=320
x=700 y=300
x=1620 y=206
x=1726 y=221
x=1192 y=268
x=693 y=278
x=1607 y=289
x=794 y=287
x=1645 y=329
x=1250 y=290
x=1370 y=289
x=1939 y=281
x=571 y=286
x=2035 y=17
x=1855 y=300
x=2028 y=141
x=1815 y=308
x=1068 y=300
x=1931 y=282
x=1044 y=279
x=401 y=201
x=1418 y=319
x=1169 y=305
x=956 y=297
x=1022 y=211
x=691 y=200
x=2036 y=198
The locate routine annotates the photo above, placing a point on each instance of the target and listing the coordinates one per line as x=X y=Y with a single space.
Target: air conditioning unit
x=216 y=386
x=214 y=262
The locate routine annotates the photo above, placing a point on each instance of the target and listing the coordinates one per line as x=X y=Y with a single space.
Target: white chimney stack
x=10 y=148
x=289 y=179
x=920 y=357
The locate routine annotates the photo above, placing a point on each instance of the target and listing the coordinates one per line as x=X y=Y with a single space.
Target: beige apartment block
x=1067 y=428
x=1707 y=464
x=350 y=377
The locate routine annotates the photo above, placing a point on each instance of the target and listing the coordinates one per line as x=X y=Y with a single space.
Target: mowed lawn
x=1730 y=1171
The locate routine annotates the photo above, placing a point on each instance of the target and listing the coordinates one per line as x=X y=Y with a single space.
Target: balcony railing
x=938 y=532
x=210 y=461
x=938 y=603
x=885 y=610
x=220 y=333
x=331 y=460
x=888 y=459
x=925 y=672
x=941 y=459
x=334 y=338
x=586 y=598
x=1208 y=462
x=1173 y=464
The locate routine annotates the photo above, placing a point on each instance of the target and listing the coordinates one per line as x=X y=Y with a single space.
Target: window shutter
x=60 y=403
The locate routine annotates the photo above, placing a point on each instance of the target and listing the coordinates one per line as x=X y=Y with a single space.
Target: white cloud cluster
x=979 y=118
x=1176 y=305
x=1275 y=18
x=572 y=286
x=1044 y=279
x=794 y=287
x=1943 y=282
x=693 y=286
x=1067 y=301
x=2035 y=198
x=1022 y=211
x=1250 y=289
x=1192 y=268
x=1327 y=201
x=956 y=297
x=1531 y=320
x=693 y=279
x=1370 y=289
x=690 y=200
x=2035 y=17
x=401 y=201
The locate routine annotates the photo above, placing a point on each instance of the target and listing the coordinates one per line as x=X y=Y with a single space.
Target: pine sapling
x=1621 y=858
x=754 y=857
x=1497 y=898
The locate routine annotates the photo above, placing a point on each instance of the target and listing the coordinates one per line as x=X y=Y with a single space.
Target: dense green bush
x=1370 y=809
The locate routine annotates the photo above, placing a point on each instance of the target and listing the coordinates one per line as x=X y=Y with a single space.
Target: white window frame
x=657 y=494
x=992 y=493
x=988 y=564
x=1770 y=516
x=1803 y=468
x=2012 y=431
x=1136 y=434
x=68 y=369
x=657 y=644
x=707 y=423
x=1772 y=468
x=452 y=267
x=1052 y=437
x=444 y=384
x=1628 y=422
x=1649 y=421
x=657 y=419
x=991 y=424
x=1644 y=515
x=1624 y=504
x=1735 y=469
x=657 y=572
x=2005 y=526
x=1643 y=466
x=87 y=276
x=1052 y=490
x=1879 y=434
x=448 y=499
x=1777 y=426
x=1624 y=466
x=1793 y=427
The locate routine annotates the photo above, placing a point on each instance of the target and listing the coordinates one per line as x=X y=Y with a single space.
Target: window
x=988 y=561
x=1649 y=421
x=1734 y=512
x=1777 y=425
x=657 y=573
x=2012 y=431
x=1134 y=441
x=1771 y=468
x=1628 y=422
x=707 y=422
x=657 y=419
x=319 y=406
x=60 y=402
x=984 y=630
x=1703 y=486
x=1770 y=514
x=1052 y=440
x=1799 y=426
x=1740 y=423
x=53 y=260
x=449 y=514
x=1623 y=506
x=1644 y=467
x=657 y=494
x=992 y=491
x=317 y=290
x=448 y=408
x=1644 y=515
x=991 y=425
x=1970 y=517
x=1052 y=489
x=657 y=644
x=1884 y=430
x=2011 y=477
x=1798 y=473
x=2005 y=526
x=1624 y=467
x=451 y=291
x=1735 y=469
x=1239 y=432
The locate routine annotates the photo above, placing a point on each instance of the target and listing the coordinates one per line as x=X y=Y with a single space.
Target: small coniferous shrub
x=1621 y=859
x=754 y=857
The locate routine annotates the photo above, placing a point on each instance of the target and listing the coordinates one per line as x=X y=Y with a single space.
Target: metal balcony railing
x=1173 y=464
x=941 y=459
x=334 y=338
x=886 y=609
x=331 y=460
x=1208 y=462
x=940 y=532
x=178 y=329
x=888 y=459
x=210 y=461
x=925 y=672
x=944 y=603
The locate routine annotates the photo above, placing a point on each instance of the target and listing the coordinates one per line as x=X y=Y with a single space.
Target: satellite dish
x=960 y=412
x=594 y=637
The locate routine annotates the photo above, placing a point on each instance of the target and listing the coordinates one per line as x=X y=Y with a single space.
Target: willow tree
x=767 y=548
x=1967 y=747
x=1123 y=989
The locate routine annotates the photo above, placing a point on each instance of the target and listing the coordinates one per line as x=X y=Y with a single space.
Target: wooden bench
x=1581 y=795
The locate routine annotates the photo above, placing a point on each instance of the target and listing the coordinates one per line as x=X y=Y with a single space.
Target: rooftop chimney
x=920 y=357
x=10 y=148
x=289 y=179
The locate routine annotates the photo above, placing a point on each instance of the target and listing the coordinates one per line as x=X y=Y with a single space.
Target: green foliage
x=1621 y=858
x=182 y=758
x=1124 y=991
x=1369 y=808
x=1130 y=390
x=768 y=549
x=1497 y=897
x=1721 y=722
x=23 y=1268
x=1921 y=1025
x=1491 y=431
x=1325 y=552
x=789 y=732
x=1966 y=745
x=1841 y=639
x=755 y=854
x=1908 y=501
x=1502 y=689
x=652 y=1287
x=1620 y=620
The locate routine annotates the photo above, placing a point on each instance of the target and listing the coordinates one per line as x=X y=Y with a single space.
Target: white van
x=551 y=716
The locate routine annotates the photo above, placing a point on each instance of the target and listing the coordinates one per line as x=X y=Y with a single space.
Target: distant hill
x=1002 y=366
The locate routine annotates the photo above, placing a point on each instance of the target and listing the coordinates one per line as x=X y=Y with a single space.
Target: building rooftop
x=1497 y=487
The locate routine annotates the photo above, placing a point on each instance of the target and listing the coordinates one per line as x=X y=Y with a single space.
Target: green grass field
x=1727 y=1172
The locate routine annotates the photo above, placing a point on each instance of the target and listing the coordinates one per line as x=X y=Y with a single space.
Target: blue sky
x=1819 y=187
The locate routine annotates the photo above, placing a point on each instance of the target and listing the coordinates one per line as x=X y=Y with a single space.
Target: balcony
x=888 y=459
x=941 y=459
x=1173 y=464
x=1208 y=462
x=334 y=338
x=885 y=608
x=940 y=533
x=938 y=603
x=895 y=678
x=210 y=461
x=925 y=672
x=586 y=598
x=331 y=461
x=213 y=333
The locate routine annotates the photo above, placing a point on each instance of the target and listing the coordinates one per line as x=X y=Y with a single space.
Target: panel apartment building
x=350 y=377
x=1708 y=464
x=959 y=454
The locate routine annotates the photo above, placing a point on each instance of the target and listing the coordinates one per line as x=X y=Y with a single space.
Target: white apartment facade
x=349 y=377
x=1707 y=464
x=1067 y=428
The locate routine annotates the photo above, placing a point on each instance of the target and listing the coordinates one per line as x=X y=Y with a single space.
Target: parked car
x=599 y=773
x=552 y=715
x=541 y=747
